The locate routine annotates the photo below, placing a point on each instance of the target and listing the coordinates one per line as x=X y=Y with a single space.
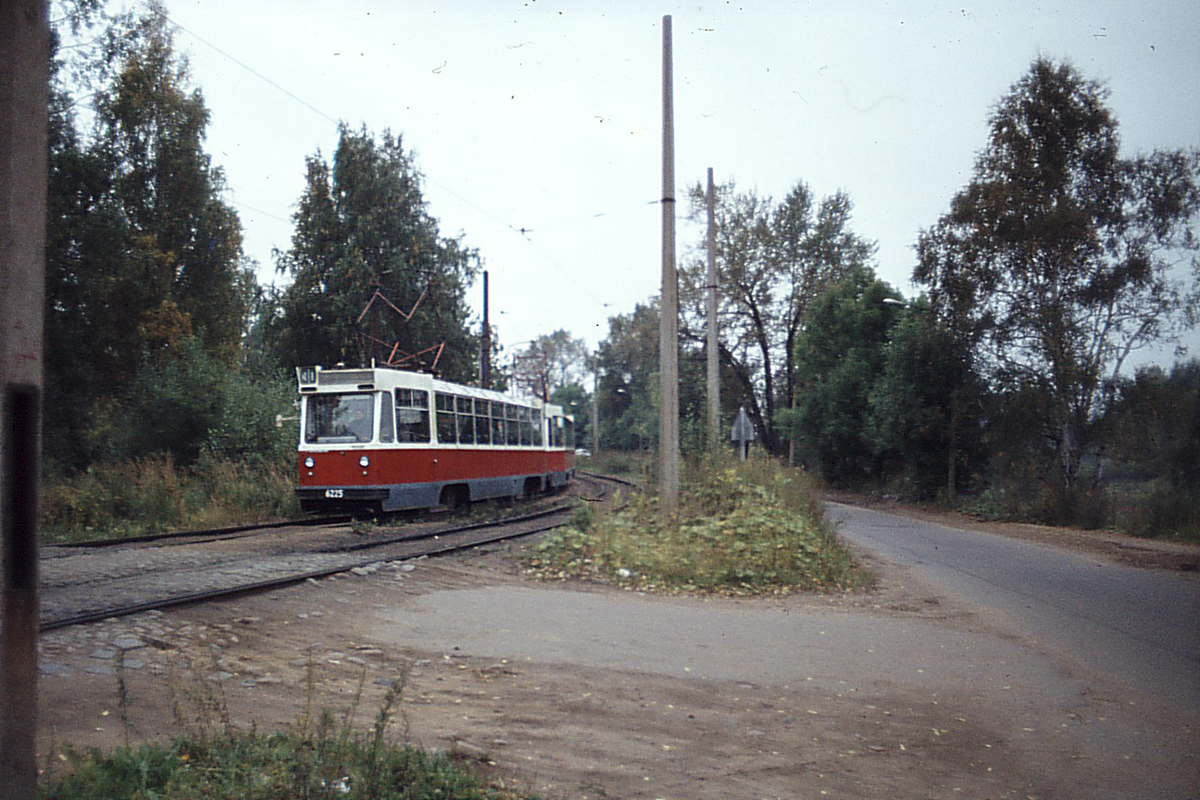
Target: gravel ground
x=584 y=691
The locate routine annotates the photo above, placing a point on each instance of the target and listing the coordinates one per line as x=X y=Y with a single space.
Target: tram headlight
x=308 y=462
x=364 y=462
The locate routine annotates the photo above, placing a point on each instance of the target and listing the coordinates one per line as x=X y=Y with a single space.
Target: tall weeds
x=323 y=758
x=155 y=494
x=753 y=527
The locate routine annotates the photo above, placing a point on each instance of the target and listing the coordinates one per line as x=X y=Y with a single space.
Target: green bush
x=1158 y=509
x=743 y=528
x=245 y=426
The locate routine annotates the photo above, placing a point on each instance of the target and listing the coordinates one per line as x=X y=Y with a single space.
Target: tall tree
x=142 y=253
x=924 y=407
x=628 y=363
x=363 y=223
x=773 y=260
x=551 y=362
x=840 y=356
x=185 y=270
x=1060 y=253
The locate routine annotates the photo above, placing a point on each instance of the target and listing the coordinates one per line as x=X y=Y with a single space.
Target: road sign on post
x=743 y=432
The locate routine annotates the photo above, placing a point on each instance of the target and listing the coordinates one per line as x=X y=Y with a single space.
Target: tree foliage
x=363 y=221
x=1060 y=255
x=1153 y=427
x=143 y=256
x=551 y=362
x=773 y=260
x=840 y=355
x=925 y=408
x=628 y=363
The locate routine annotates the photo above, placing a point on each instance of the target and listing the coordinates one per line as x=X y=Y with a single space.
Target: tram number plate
x=333 y=494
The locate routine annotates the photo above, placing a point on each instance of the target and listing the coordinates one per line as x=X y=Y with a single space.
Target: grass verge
x=155 y=494
x=321 y=756
x=744 y=528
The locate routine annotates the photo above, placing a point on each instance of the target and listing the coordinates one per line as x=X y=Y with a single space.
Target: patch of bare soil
x=892 y=693
x=1148 y=553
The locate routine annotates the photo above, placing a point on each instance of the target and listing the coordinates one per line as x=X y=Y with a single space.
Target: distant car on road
x=579 y=451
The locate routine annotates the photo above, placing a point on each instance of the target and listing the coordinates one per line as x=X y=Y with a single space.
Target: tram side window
x=339 y=418
x=526 y=426
x=512 y=417
x=569 y=442
x=466 y=420
x=483 y=422
x=387 y=419
x=556 y=432
x=499 y=428
x=447 y=430
x=412 y=415
x=537 y=428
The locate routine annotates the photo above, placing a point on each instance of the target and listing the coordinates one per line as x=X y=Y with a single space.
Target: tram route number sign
x=334 y=494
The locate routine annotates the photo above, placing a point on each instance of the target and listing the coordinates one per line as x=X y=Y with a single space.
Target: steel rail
x=441 y=548
x=211 y=533
x=276 y=583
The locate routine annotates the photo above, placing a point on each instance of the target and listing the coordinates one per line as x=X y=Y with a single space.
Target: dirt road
x=592 y=692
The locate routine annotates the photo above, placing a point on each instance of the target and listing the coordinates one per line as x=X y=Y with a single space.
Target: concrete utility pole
x=668 y=328
x=485 y=342
x=24 y=58
x=596 y=405
x=714 y=366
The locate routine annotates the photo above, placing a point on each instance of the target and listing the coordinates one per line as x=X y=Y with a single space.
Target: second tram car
x=384 y=439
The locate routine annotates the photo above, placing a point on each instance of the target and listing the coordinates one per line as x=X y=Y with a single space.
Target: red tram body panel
x=388 y=440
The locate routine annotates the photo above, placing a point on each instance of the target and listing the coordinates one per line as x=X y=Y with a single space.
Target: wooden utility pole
x=714 y=366
x=24 y=59
x=668 y=328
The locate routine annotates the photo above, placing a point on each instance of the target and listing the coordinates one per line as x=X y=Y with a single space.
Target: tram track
x=139 y=575
x=200 y=535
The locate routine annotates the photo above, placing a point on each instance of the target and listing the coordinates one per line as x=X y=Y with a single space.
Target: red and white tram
x=384 y=439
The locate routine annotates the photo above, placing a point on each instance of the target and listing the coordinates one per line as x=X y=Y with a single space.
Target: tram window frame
x=512 y=419
x=499 y=426
x=445 y=420
x=412 y=416
x=319 y=414
x=483 y=422
x=387 y=418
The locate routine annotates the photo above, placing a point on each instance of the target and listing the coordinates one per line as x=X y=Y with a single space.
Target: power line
x=254 y=72
x=260 y=211
x=523 y=232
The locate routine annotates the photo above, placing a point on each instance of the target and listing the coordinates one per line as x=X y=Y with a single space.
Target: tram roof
x=370 y=378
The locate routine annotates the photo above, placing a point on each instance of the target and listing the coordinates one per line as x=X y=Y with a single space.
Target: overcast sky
x=545 y=116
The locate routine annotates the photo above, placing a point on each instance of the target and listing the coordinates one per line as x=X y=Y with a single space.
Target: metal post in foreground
x=24 y=59
x=668 y=328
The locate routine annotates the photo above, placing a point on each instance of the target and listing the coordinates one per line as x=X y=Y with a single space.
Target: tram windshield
x=339 y=418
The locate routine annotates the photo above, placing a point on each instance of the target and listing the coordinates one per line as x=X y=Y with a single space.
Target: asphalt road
x=1134 y=627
